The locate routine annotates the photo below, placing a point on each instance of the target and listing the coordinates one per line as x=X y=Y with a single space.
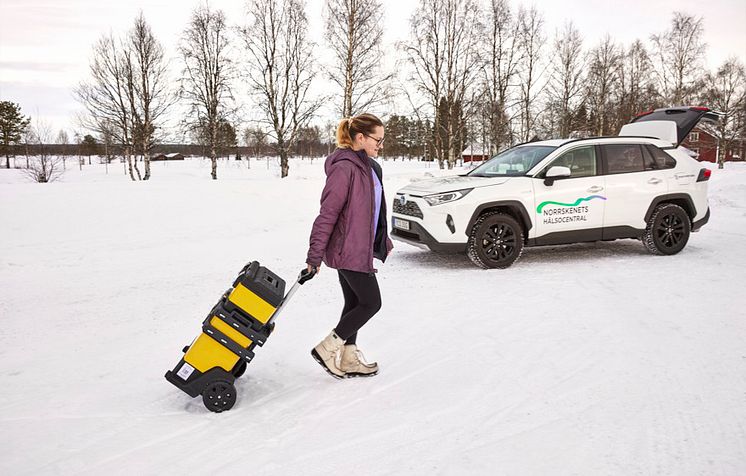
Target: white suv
x=640 y=185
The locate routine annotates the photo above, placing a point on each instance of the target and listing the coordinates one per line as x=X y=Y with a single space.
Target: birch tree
x=636 y=91
x=280 y=70
x=679 y=54
x=151 y=94
x=532 y=41
x=500 y=70
x=127 y=95
x=566 y=84
x=443 y=53
x=603 y=77
x=726 y=93
x=354 y=29
x=206 y=78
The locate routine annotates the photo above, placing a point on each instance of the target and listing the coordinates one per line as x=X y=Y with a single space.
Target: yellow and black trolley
x=242 y=320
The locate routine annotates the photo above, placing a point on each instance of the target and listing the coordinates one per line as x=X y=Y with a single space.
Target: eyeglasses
x=379 y=142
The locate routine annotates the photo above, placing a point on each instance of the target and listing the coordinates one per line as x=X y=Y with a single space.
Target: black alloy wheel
x=219 y=396
x=670 y=231
x=667 y=231
x=496 y=241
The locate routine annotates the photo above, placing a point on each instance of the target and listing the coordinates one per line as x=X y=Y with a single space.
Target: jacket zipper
x=372 y=215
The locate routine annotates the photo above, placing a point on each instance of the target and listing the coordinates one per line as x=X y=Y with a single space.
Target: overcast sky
x=45 y=45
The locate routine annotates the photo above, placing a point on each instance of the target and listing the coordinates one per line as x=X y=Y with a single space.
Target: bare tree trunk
x=281 y=70
x=207 y=75
x=443 y=52
x=501 y=67
x=566 y=85
x=680 y=54
x=354 y=29
x=603 y=80
x=531 y=42
x=128 y=93
x=726 y=93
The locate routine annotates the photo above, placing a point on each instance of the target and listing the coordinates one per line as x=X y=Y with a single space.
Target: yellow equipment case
x=242 y=320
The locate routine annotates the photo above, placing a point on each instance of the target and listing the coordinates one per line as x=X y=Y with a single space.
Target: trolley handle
x=306 y=275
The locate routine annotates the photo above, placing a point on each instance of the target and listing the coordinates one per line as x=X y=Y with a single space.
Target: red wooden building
x=474 y=153
x=705 y=146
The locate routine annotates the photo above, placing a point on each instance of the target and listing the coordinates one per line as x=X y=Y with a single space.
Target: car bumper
x=417 y=236
x=700 y=223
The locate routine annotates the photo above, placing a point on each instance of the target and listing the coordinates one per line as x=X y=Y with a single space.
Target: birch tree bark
x=280 y=70
x=354 y=29
x=206 y=81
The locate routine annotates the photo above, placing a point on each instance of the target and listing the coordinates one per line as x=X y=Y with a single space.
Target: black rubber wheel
x=240 y=368
x=496 y=241
x=219 y=396
x=667 y=230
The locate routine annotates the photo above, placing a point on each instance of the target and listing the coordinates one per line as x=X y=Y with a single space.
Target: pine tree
x=12 y=125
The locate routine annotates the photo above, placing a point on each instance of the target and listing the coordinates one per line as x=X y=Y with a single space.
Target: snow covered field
x=589 y=359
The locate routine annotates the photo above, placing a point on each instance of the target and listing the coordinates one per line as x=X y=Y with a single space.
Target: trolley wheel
x=219 y=396
x=184 y=350
x=240 y=368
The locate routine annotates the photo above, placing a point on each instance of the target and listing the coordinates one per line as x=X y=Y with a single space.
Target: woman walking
x=349 y=232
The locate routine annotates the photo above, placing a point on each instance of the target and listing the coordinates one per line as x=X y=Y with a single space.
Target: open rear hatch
x=671 y=124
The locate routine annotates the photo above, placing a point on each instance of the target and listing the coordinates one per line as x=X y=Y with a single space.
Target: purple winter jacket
x=341 y=234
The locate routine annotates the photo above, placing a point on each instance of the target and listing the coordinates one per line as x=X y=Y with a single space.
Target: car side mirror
x=555 y=173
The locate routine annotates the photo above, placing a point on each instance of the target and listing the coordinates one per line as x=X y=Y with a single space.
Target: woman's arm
x=333 y=200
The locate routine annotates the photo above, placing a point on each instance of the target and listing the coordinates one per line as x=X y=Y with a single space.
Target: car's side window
x=648 y=159
x=581 y=161
x=662 y=160
x=623 y=158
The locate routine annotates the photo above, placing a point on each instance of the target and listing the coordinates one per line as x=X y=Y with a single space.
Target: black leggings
x=362 y=301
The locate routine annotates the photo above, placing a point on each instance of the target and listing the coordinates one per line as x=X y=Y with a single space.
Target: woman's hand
x=310 y=268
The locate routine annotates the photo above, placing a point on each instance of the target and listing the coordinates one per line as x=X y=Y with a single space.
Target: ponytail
x=344 y=138
x=349 y=127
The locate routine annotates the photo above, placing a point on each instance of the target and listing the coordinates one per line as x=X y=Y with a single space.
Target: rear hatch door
x=671 y=124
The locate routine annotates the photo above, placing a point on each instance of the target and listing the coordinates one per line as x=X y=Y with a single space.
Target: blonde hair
x=351 y=126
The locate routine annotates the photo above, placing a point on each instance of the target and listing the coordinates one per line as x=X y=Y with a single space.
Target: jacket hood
x=359 y=158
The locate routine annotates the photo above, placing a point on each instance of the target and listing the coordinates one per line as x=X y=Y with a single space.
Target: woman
x=349 y=232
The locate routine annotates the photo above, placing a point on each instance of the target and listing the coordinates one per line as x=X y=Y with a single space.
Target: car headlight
x=440 y=198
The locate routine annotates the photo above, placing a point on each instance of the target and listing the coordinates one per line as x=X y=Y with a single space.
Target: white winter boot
x=328 y=354
x=353 y=363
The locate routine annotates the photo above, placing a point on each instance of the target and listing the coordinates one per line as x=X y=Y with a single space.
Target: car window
x=662 y=160
x=648 y=160
x=581 y=161
x=623 y=158
x=515 y=161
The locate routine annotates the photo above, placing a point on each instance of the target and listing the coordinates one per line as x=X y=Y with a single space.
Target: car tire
x=496 y=241
x=667 y=230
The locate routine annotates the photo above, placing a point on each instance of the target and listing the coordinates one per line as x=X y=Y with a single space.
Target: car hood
x=449 y=184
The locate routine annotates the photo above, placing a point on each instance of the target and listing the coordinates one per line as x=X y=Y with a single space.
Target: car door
x=571 y=209
x=632 y=182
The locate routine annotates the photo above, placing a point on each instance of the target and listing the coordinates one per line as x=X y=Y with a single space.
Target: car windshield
x=513 y=162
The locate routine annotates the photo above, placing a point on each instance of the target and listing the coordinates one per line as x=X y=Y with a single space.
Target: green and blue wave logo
x=577 y=202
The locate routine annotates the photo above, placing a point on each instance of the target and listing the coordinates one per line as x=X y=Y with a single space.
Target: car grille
x=410 y=209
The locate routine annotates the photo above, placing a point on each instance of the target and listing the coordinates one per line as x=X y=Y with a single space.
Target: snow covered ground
x=590 y=359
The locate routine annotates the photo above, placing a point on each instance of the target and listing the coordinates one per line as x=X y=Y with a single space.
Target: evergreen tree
x=12 y=126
